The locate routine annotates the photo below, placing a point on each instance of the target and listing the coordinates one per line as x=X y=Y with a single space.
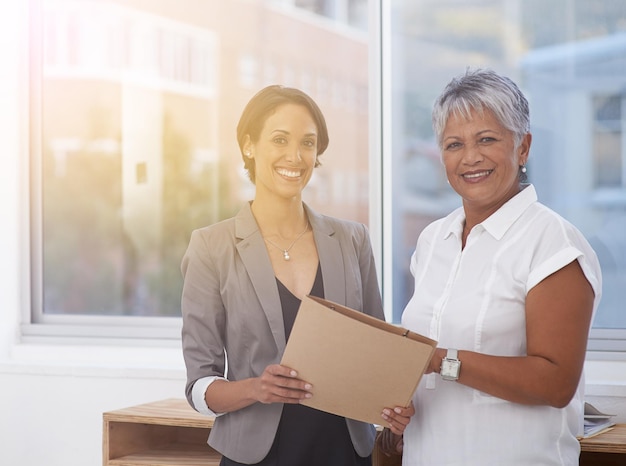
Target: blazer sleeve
x=203 y=314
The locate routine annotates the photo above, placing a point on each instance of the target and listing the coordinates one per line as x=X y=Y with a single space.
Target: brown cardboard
x=357 y=364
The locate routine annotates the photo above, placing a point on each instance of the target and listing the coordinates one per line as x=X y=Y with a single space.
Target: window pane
x=569 y=58
x=607 y=149
x=140 y=101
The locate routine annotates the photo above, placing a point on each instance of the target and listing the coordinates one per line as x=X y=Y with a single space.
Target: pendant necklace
x=286 y=255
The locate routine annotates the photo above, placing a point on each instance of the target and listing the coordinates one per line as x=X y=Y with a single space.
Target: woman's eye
x=280 y=140
x=309 y=143
x=453 y=145
x=486 y=139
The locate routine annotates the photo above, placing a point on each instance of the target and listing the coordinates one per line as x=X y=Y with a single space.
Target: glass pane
x=140 y=102
x=607 y=148
x=565 y=54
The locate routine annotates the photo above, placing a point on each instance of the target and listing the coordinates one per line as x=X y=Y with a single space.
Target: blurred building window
x=569 y=56
x=138 y=106
x=351 y=12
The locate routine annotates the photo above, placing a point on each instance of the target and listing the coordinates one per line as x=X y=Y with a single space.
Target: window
x=569 y=58
x=136 y=106
x=128 y=156
x=607 y=138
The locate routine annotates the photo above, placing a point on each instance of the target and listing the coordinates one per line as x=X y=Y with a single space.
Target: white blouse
x=473 y=299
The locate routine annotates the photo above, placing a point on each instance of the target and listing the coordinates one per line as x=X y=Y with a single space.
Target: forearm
x=558 y=315
x=529 y=380
x=223 y=396
x=277 y=384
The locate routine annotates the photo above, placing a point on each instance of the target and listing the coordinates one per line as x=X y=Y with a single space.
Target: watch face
x=450 y=368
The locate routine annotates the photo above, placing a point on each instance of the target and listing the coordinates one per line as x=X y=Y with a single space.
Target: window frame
x=609 y=344
x=605 y=343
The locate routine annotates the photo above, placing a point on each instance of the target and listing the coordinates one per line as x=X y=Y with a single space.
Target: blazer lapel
x=331 y=258
x=254 y=256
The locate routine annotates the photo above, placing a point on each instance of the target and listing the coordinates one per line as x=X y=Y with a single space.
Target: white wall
x=53 y=416
x=52 y=396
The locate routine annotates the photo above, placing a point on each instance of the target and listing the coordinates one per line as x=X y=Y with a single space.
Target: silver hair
x=479 y=90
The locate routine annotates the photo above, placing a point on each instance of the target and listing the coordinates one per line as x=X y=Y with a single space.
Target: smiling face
x=482 y=162
x=285 y=153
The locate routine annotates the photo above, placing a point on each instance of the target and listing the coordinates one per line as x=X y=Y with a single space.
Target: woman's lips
x=289 y=173
x=475 y=176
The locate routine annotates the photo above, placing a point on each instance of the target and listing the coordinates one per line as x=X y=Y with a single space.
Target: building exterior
x=139 y=111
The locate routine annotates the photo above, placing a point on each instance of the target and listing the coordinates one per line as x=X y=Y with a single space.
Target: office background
x=117 y=124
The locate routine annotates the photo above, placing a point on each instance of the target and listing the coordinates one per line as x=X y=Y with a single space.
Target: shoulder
x=555 y=242
x=344 y=224
x=347 y=230
x=240 y=225
x=438 y=228
x=336 y=226
x=223 y=228
x=213 y=240
x=212 y=247
x=546 y=223
x=543 y=233
x=439 y=224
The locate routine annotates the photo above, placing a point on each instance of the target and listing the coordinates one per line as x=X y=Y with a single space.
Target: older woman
x=508 y=289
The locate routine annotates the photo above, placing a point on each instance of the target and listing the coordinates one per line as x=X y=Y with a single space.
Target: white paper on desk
x=596 y=421
x=591 y=412
x=357 y=364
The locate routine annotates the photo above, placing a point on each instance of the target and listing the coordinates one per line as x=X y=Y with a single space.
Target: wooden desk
x=164 y=433
x=608 y=448
x=170 y=433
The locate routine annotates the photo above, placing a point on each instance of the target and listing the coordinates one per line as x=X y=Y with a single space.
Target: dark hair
x=262 y=105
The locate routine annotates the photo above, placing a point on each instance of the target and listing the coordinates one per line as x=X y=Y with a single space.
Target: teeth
x=477 y=175
x=288 y=173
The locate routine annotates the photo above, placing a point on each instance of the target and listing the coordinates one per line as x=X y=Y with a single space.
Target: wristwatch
x=450 y=366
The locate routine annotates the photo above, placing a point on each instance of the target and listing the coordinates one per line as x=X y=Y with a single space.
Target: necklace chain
x=286 y=255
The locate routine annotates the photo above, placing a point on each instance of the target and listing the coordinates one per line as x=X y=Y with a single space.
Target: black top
x=307 y=436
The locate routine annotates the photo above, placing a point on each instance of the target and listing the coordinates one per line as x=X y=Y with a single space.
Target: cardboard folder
x=357 y=364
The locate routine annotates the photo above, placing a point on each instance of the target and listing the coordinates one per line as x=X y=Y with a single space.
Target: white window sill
x=143 y=362
x=605 y=378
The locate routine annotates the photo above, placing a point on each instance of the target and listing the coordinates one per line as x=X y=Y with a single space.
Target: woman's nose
x=472 y=154
x=293 y=154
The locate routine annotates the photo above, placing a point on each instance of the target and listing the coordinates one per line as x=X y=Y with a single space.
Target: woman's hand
x=398 y=418
x=280 y=384
x=389 y=443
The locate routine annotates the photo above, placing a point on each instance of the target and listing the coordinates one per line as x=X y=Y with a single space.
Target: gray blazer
x=231 y=306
